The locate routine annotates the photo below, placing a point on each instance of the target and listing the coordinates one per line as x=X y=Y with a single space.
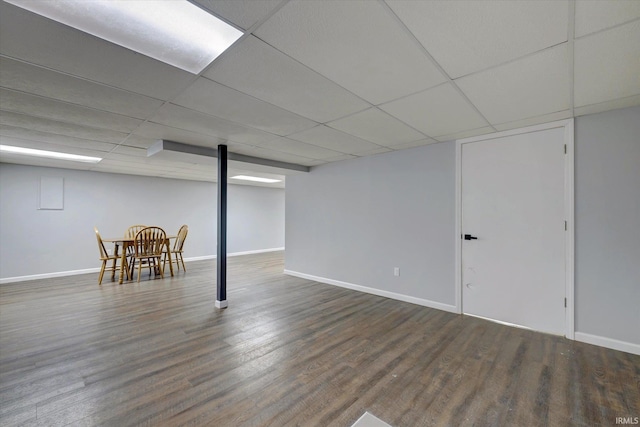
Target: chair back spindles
x=103 y=250
x=148 y=245
x=182 y=236
x=133 y=230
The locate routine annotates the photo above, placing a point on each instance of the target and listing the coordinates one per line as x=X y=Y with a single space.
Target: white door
x=513 y=202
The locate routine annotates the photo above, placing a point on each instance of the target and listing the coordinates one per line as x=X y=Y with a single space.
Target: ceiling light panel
x=48 y=154
x=52 y=138
x=174 y=32
x=255 y=179
x=41 y=41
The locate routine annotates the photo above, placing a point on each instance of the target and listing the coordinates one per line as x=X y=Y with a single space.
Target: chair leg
x=104 y=264
x=139 y=269
x=160 y=268
x=113 y=270
x=182 y=260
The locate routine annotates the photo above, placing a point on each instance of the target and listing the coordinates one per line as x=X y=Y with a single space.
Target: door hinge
x=565 y=226
x=565 y=148
x=565 y=303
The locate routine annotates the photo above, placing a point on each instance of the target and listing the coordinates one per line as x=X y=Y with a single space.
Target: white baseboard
x=374 y=291
x=97 y=269
x=48 y=275
x=614 y=344
x=259 y=251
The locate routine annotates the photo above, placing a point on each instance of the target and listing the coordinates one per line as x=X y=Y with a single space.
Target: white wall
x=36 y=241
x=608 y=226
x=354 y=221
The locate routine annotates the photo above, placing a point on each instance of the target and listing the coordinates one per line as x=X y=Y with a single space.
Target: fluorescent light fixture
x=175 y=32
x=49 y=154
x=255 y=178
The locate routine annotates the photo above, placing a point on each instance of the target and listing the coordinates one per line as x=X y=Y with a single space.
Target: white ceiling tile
x=377 y=126
x=414 y=144
x=607 y=65
x=465 y=134
x=300 y=149
x=217 y=100
x=630 y=101
x=130 y=151
x=375 y=151
x=282 y=81
x=139 y=141
x=546 y=118
x=341 y=157
x=596 y=15
x=50 y=84
x=34 y=135
x=527 y=87
x=243 y=13
x=38 y=106
x=468 y=36
x=324 y=136
x=183 y=118
x=43 y=162
x=265 y=153
x=153 y=131
x=357 y=44
x=60 y=128
x=32 y=38
x=435 y=112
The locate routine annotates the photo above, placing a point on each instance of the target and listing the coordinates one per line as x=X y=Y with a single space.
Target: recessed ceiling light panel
x=255 y=179
x=175 y=32
x=48 y=154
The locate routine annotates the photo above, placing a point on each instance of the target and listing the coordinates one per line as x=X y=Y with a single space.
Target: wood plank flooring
x=287 y=351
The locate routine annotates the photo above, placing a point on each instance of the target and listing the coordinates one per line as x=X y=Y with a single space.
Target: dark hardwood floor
x=287 y=351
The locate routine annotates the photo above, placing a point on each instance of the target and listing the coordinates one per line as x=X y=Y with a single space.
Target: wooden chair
x=177 y=250
x=148 y=245
x=133 y=230
x=105 y=258
x=130 y=234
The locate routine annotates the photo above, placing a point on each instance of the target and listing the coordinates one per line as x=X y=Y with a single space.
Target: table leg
x=123 y=262
x=169 y=257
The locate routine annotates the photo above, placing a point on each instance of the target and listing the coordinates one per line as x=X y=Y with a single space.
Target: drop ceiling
x=312 y=82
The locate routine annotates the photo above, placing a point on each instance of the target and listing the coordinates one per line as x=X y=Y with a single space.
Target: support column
x=221 y=293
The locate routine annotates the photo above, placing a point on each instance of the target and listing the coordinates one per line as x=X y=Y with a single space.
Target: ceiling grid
x=311 y=82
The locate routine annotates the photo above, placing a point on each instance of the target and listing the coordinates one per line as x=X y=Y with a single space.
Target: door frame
x=569 y=197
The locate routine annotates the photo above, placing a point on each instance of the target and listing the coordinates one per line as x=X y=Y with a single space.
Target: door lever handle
x=470 y=237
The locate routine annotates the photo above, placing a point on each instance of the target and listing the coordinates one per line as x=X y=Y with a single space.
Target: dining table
x=125 y=242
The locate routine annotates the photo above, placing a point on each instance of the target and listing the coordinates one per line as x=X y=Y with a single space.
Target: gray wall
x=608 y=224
x=355 y=220
x=36 y=241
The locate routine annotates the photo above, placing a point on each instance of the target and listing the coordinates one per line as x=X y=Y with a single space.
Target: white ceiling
x=313 y=82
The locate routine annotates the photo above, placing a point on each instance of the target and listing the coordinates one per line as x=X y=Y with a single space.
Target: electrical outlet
x=396 y=271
